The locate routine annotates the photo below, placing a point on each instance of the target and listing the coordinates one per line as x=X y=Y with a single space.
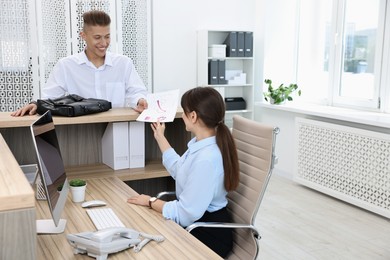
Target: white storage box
x=235 y=77
x=217 y=51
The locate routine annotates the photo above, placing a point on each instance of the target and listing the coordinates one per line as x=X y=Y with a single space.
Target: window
x=340 y=51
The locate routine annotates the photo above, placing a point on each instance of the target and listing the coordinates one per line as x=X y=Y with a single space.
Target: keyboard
x=104 y=218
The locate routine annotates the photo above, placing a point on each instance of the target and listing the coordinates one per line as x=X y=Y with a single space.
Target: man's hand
x=141 y=105
x=29 y=109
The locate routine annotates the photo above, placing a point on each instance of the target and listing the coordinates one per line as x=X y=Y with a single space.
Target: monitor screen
x=51 y=167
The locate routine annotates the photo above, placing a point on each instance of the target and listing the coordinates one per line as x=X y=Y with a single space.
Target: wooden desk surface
x=112 y=115
x=15 y=191
x=178 y=244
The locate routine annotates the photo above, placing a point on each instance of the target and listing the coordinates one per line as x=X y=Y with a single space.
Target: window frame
x=340 y=10
x=381 y=95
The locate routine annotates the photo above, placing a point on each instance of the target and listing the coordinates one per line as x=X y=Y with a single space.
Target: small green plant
x=59 y=187
x=280 y=94
x=77 y=182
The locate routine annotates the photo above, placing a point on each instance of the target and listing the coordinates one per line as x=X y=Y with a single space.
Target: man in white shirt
x=95 y=72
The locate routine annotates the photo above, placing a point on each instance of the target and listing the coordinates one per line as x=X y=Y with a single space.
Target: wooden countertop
x=15 y=191
x=178 y=243
x=112 y=115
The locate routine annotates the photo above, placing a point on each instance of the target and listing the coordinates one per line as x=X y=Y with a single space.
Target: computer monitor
x=51 y=171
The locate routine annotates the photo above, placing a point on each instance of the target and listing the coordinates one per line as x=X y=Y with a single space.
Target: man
x=95 y=72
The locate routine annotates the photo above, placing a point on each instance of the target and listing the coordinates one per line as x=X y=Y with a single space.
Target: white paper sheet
x=162 y=107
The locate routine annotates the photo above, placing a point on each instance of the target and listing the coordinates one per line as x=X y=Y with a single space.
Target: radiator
x=349 y=163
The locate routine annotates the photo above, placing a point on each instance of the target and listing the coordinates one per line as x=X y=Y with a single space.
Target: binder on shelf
x=231 y=44
x=213 y=72
x=248 y=44
x=136 y=145
x=123 y=145
x=240 y=44
x=115 y=145
x=221 y=72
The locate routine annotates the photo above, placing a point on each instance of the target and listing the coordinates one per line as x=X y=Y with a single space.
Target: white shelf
x=230 y=58
x=207 y=38
x=230 y=85
x=238 y=111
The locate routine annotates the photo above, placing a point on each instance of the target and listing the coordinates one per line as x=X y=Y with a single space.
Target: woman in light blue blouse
x=204 y=173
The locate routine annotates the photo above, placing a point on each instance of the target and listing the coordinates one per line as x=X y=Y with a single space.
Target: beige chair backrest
x=255 y=146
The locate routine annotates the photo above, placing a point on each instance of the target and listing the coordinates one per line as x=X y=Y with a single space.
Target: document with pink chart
x=162 y=107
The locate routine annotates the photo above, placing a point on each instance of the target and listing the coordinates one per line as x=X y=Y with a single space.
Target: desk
x=80 y=141
x=178 y=244
x=112 y=115
x=18 y=211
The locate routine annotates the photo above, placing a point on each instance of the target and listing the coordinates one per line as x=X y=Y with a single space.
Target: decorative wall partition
x=16 y=84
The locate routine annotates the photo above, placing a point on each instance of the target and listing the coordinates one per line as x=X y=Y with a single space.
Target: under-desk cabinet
x=81 y=146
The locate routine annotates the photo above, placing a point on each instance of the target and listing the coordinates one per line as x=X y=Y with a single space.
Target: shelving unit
x=80 y=143
x=207 y=38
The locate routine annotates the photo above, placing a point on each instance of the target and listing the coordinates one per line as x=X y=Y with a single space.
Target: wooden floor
x=299 y=223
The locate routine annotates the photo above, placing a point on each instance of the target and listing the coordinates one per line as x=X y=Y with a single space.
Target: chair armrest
x=165 y=193
x=224 y=225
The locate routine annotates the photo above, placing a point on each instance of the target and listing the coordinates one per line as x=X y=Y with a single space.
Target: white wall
x=280 y=40
x=175 y=23
x=259 y=32
x=285 y=140
x=279 y=58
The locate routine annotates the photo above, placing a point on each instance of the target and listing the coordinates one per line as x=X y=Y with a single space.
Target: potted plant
x=280 y=94
x=77 y=189
x=59 y=187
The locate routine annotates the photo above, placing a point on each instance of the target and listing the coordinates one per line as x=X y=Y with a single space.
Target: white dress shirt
x=199 y=177
x=116 y=80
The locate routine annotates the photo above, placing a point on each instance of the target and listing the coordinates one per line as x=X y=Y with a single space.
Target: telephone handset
x=107 y=234
x=100 y=243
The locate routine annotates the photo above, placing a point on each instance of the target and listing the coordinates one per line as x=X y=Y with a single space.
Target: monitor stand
x=47 y=226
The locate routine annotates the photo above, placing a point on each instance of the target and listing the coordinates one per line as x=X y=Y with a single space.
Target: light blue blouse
x=199 y=180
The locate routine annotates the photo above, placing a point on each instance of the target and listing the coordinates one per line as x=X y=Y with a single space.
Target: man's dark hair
x=96 y=17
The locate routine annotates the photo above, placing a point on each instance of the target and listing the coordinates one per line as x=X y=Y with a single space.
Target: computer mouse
x=93 y=203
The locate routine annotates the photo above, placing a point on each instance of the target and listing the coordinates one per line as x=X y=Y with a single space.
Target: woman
x=204 y=173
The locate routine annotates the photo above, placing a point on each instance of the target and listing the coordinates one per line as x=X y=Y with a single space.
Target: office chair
x=256 y=153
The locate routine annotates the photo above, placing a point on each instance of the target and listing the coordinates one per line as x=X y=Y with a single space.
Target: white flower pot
x=272 y=101
x=78 y=193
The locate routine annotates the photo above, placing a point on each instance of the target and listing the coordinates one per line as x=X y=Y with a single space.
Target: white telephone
x=100 y=243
